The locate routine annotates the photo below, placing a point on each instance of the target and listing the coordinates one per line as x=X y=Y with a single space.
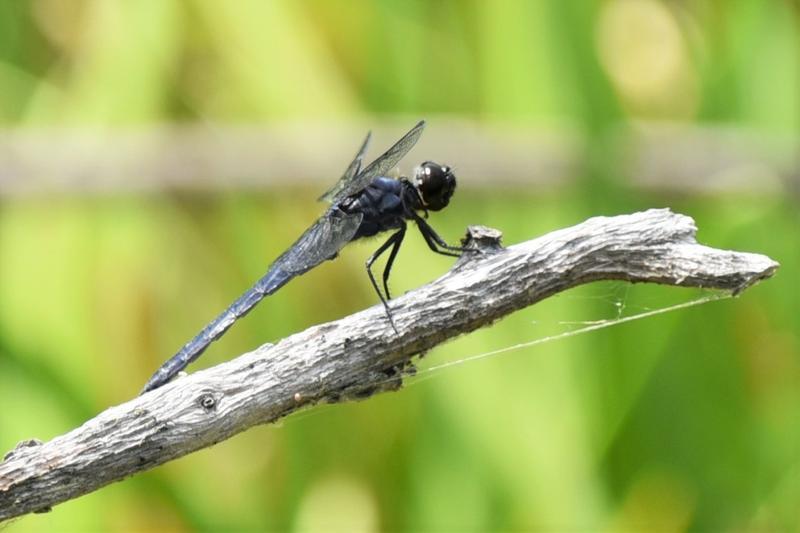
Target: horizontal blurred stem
x=680 y=158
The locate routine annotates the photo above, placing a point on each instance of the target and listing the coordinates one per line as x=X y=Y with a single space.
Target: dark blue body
x=381 y=203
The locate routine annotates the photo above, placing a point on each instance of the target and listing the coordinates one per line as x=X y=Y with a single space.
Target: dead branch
x=360 y=355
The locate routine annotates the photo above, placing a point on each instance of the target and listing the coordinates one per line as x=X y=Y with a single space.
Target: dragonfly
x=364 y=202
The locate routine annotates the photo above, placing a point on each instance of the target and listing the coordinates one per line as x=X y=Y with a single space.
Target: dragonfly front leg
x=393 y=241
x=435 y=242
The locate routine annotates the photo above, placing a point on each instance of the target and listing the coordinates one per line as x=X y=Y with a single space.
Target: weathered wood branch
x=360 y=355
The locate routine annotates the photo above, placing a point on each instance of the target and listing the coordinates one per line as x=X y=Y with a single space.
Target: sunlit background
x=156 y=155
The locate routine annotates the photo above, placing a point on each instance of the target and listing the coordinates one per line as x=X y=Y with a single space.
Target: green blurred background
x=686 y=420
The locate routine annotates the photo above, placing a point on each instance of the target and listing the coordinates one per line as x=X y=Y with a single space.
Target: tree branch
x=360 y=355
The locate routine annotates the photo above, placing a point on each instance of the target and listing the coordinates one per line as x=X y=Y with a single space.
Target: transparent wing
x=380 y=167
x=349 y=174
x=322 y=241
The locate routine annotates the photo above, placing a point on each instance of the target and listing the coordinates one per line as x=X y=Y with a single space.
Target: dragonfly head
x=435 y=183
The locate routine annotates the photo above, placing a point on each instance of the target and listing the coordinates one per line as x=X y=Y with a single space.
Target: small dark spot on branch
x=207 y=401
x=334 y=397
x=363 y=394
x=460 y=314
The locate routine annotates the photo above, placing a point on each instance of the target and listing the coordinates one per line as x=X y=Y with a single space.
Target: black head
x=436 y=184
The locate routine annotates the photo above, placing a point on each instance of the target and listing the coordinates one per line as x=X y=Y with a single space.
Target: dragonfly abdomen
x=273 y=280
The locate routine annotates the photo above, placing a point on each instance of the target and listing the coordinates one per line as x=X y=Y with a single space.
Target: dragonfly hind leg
x=389 y=262
x=394 y=242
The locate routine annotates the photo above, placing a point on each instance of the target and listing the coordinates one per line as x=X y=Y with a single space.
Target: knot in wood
x=207 y=401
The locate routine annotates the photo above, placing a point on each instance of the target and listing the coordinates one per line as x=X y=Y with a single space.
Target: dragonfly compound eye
x=436 y=184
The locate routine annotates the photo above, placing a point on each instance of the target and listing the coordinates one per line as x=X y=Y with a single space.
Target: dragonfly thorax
x=435 y=184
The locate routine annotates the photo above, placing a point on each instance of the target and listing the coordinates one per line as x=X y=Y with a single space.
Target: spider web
x=622 y=309
x=620 y=302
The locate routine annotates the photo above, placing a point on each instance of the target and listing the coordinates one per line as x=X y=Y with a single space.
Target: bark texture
x=360 y=355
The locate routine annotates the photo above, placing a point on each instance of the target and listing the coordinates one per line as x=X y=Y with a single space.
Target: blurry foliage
x=685 y=420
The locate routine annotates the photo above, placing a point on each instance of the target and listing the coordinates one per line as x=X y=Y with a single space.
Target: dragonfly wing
x=380 y=167
x=322 y=241
x=351 y=172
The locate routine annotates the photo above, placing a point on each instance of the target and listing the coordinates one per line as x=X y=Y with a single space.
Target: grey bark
x=360 y=355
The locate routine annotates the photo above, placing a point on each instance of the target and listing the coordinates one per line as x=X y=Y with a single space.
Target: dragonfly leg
x=435 y=242
x=389 y=262
x=391 y=241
